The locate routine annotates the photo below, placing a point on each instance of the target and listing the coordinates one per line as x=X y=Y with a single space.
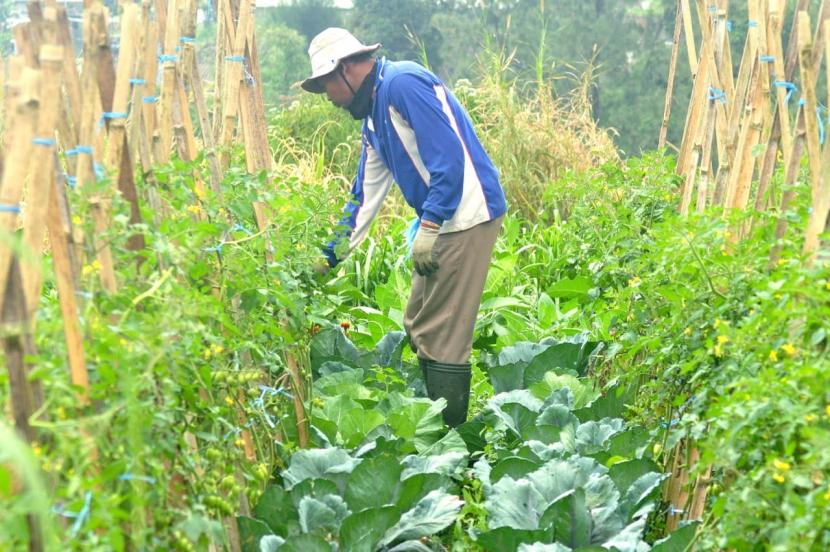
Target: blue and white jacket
x=419 y=136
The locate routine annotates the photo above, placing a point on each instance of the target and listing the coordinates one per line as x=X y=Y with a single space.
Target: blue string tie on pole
x=239 y=59
x=752 y=23
x=111 y=115
x=149 y=99
x=137 y=81
x=821 y=132
x=729 y=26
x=78 y=150
x=187 y=39
x=48 y=142
x=789 y=86
x=6 y=208
x=168 y=57
x=713 y=9
x=716 y=94
x=71 y=180
x=767 y=59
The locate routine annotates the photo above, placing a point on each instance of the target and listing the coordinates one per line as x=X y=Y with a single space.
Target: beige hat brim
x=312 y=84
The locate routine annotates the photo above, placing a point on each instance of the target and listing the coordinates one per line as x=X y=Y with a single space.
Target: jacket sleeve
x=369 y=189
x=424 y=106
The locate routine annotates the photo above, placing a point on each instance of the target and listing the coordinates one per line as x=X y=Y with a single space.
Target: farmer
x=416 y=134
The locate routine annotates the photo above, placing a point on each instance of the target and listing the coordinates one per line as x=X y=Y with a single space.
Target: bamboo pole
x=41 y=171
x=20 y=133
x=819 y=181
x=675 y=51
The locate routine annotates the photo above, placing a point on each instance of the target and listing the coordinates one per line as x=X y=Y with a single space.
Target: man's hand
x=321 y=267
x=423 y=249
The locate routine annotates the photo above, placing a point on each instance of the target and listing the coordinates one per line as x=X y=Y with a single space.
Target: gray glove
x=423 y=249
x=321 y=267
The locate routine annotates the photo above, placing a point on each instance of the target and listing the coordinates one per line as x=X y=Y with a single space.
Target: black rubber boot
x=452 y=382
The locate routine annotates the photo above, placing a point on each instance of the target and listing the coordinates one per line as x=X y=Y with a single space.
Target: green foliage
x=282 y=51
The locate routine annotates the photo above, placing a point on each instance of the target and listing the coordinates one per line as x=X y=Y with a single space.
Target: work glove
x=321 y=267
x=423 y=249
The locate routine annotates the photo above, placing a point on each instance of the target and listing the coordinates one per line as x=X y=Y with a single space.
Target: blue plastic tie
x=111 y=115
x=672 y=423
x=79 y=149
x=752 y=23
x=99 y=171
x=410 y=233
x=44 y=141
x=149 y=99
x=83 y=515
x=729 y=26
x=790 y=86
x=240 y=228
x=821 y=134
x=235 y=58
x=131 y=477
x=233 y=431
x=187 y=39
x=168 y=57
x=674 y=511
x=137 y=81
x=802 y=101
x=716 y=94
x=6 y=208
x=767 y=59
x=71 y=180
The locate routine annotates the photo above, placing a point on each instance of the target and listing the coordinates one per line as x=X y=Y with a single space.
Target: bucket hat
x=327 y=50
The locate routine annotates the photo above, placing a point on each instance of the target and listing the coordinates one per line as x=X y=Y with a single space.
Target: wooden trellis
x=739 y=129
x=67 y=127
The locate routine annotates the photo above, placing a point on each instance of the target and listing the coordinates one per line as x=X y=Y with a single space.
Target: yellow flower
x=773 y=355
x=789 y=349
x=687 y=331
x=780 y=465
x=722 y=339
x=216 y=349
x=96 y=264
x=782 y=262
x=779 y=478
x=827 y=286
x=718 y=323
x=37 y=450
x=61 y=413
x=635 y=281
x=239 y=443
x=228 y=400
x=718 y=350
x=193 y=209
x=810 y=418
x=827 y=409
x=827 y=494
x=87 y=270
x=76 y=220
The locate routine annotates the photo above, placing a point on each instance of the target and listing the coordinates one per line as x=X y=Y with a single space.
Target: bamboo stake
x=21 y=131
x=819 y=183
x=169 y=91
x=689 y=32
x=61 y=241
x=41 y=171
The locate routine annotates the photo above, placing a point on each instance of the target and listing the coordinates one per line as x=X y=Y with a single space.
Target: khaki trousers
x=441 y=314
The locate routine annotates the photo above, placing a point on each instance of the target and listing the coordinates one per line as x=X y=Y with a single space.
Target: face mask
x=362 y=100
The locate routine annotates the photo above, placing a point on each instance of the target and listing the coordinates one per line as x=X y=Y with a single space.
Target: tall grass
x=533 y=136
